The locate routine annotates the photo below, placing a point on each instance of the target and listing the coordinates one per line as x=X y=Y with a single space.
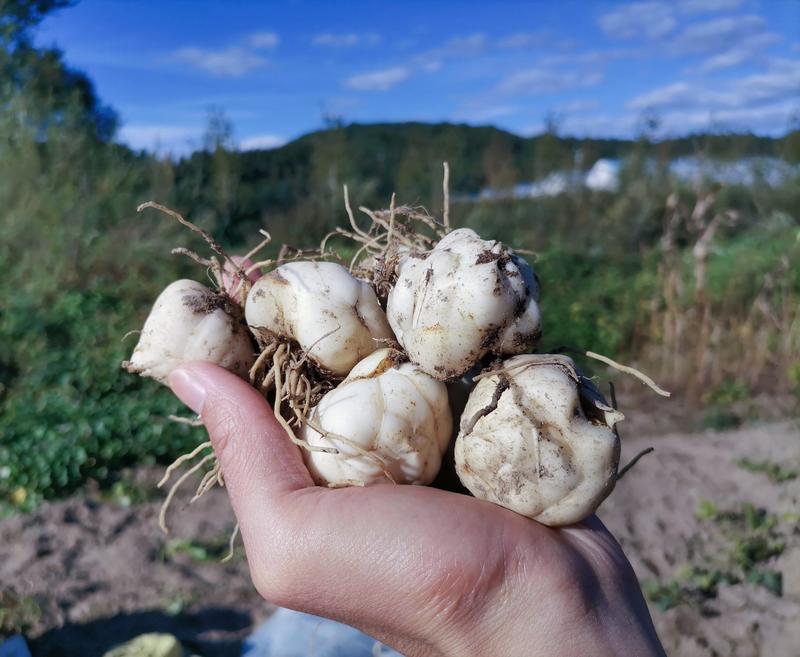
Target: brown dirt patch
x=101 y=573
x=653 y=514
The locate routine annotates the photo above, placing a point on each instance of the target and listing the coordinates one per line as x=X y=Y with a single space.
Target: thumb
x=259 y=463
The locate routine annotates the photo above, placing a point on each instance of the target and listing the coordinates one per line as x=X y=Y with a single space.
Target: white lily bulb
x=333 y=316
x=386 y=417
x=191 y=322
x=466 y=298
x=538 y=438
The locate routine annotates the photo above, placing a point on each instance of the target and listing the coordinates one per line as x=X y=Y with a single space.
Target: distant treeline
x=304 y=177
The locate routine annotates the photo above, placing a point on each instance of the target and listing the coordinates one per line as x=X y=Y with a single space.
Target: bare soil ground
x=90 y=572
x=101 y=572
x=654 y=514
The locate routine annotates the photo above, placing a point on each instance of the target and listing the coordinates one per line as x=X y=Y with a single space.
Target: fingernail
x=188 y=389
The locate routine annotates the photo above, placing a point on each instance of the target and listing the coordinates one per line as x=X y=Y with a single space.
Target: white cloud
x=678 y=93
x=576 y=106
x=651 y=19
x=264 y=40
x=546 y=80
x=768 y=119
x=744 y=51
x=261 y=142
x=472 y=44
x=590 y=57
x=428 y=62
x=779 y=82
x=482 y=114
x=707 y=6
x=460 y=46
x=772 y=119
x=600 y=125
x=522 y=40
x=345 y=40
x=382 y=80
x=160 y=137
x=655 y=19
x=716 y=35
x=230 y=62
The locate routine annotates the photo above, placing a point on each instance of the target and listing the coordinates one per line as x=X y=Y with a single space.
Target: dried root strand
x=215 y=246
x=392 y=233
x=130 y=333
x=632 y=371
x=231 y=544
x=290 y=253
x=178 y=462
x=191 y=421
x=162 y=516
x=446 y=196
x=282 y=366
x=334 y=437
x=205 y=262
x=498 y=371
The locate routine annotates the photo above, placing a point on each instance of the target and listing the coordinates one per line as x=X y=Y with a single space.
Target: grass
x=200 y=551
x=777 y=473
x=126 y=492
x=752 y=538
x=692 y=584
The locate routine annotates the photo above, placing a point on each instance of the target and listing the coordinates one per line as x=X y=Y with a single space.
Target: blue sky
x=275 y=68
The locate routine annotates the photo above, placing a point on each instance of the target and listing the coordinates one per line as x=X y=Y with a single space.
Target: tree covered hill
x=304 y=177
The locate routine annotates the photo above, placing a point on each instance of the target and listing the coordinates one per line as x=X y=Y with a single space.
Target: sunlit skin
x=426 y=571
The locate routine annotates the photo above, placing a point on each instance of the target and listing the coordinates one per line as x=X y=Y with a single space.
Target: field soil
x=92 y=571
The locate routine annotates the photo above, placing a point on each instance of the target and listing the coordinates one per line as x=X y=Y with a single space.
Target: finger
x=259 y=463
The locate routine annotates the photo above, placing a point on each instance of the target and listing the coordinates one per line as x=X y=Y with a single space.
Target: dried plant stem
x=634 y=461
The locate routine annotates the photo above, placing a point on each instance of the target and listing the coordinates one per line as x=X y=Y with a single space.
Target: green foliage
x=727 y=392
x=70 y=413
x=591 y=303
x=776 y=472
x=720 y=419
x=18 y=613
x=706 y=510
x=666 y=595
x=201 y=551
x=691 y=585
x=126 y=492
x=751 y=550
x=752 y=538
x=772 y=580
x=793 y=375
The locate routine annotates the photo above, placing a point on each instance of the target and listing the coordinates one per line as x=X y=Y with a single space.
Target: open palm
x=426 y=571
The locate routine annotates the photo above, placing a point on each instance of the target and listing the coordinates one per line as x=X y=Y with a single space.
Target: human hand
x=426 y=571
